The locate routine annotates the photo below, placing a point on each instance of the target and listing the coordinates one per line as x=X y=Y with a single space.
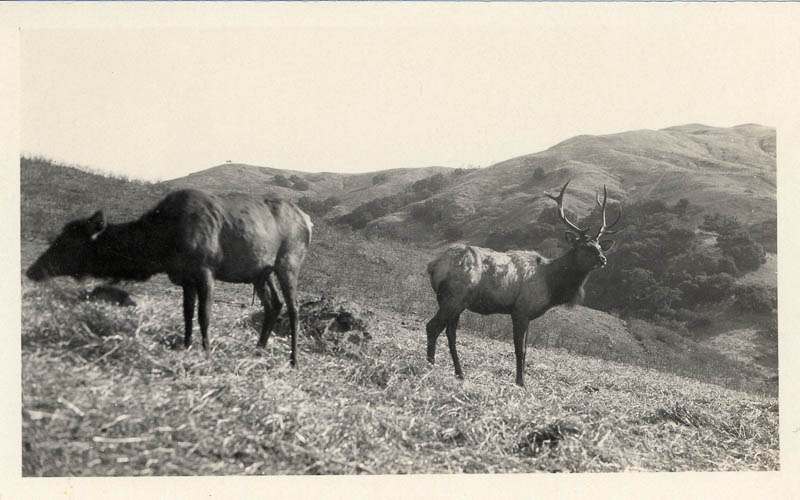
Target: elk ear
x=606 y=245
x=571 y=237
x=96 y=224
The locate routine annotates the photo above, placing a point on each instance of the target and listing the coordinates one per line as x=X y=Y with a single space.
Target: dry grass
x=106 y=392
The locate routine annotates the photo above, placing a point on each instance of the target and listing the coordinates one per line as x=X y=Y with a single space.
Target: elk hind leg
x=288 y=269
x=272 y=307
x=205 y=293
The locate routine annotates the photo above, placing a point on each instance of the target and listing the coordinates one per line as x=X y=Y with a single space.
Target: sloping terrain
x=350 y=190
x=105 y=392
x=727 y=170
x=108 y=391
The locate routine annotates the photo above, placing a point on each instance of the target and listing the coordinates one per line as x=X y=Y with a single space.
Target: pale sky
x=386 y=91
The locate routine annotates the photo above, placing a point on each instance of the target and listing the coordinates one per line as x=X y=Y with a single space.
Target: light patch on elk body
x=485 y=280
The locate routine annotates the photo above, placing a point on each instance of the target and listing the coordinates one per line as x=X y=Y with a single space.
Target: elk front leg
x=205 y=293
x=434 y=329
x=189 y=297
x=520 y=346
x=452 y=326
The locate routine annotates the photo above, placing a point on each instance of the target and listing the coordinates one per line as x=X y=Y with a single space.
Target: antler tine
x=559 y=200
x=604 y=228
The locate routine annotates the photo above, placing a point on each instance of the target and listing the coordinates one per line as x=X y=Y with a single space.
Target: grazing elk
x=194 y=238
x=522 y=284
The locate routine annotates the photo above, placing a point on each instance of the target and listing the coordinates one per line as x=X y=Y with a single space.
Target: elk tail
x=308 y=223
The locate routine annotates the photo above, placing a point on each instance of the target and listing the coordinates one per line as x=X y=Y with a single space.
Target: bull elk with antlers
x=523 y=284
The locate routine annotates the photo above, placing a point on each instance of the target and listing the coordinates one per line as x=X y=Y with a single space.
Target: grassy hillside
x=53 y=194
x=108 y=391
x=380 y=272
x=727 y=170
x=350 y=190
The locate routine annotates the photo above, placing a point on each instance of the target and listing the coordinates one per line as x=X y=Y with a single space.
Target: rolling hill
x=731 y=171
x=105 y=391
x=350 y=190
x=727 y=170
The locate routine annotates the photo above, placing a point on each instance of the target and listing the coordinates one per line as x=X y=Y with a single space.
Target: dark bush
x=317 y=207
x=301 y=185
x=745 y=252
x=727 y=265
x=282 y=181
x=755 y=298
x=766 y=234
x=453 y=232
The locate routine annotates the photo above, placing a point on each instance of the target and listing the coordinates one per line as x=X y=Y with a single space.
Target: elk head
x=71 y=252
x=587 y=250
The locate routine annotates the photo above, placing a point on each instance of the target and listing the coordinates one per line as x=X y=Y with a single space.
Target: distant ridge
x=728 y=170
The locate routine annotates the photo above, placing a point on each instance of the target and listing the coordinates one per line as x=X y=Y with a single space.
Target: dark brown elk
x=194 y=238
x=522 y=284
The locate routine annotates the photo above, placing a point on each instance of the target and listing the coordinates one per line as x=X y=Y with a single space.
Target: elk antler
x=604 y=228
x=559 y=200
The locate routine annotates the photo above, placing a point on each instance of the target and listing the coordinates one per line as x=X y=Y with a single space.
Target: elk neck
x=565 y=280
x=128 y=251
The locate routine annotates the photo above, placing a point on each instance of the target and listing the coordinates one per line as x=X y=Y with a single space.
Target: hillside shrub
x=317 y=207
x=453 y=231
x=282 y=181
x=747 y=254
x=425 y=188
x=420 y=190
x=766 y=234
x=299 y=184
x=756 y=298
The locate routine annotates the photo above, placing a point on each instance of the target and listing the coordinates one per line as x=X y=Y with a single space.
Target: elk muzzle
x=36 y=273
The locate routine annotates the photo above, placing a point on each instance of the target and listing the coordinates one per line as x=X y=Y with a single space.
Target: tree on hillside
x=424 y=188
x=682 y=208
x=766 y=234
x=299 y=184
x=317 y=207
x=282 y=181
x=720 y=224
x=755 y=298
x=380 y=178
x=745 y=252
